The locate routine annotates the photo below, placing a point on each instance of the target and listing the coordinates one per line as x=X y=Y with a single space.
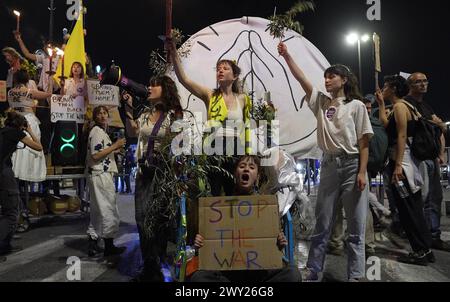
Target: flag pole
x=168 y=23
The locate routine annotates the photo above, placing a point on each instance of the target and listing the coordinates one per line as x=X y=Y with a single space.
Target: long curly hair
x=170 y=97
x=398 y=83
x=351 y=89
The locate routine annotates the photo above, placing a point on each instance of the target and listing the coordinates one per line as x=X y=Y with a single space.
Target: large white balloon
x=246 y=41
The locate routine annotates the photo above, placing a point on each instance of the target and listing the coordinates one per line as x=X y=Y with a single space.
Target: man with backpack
x=430 y=168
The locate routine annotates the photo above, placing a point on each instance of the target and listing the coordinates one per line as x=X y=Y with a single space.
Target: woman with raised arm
x=228 y=115
x=15 y=131
x=343 y=134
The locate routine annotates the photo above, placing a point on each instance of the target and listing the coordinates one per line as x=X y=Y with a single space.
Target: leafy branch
x=158 y=63
x=279 y=24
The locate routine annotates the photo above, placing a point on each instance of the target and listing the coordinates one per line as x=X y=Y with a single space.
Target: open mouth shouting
x=245 y=178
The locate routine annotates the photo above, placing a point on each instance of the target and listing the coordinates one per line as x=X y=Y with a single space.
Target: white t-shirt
x=146 y=129
x=340 y=125
x=20 y=98
x=75 y=89
x=41 y=59
x=98 y=141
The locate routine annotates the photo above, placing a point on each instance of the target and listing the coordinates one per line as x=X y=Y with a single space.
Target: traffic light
x=65 y=144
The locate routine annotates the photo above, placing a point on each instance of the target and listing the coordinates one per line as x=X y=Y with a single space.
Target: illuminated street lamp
x=353 y=38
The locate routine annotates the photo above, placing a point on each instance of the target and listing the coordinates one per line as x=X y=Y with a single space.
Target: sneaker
x=94 y=248
x=439 y=244
x=114 y=251
x=310 y=276
x=430 y=257
x=414 y=258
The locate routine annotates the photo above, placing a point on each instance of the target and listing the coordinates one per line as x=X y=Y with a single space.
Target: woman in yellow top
x=228 y=116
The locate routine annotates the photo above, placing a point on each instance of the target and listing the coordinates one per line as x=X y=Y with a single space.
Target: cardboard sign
x=19 y=99
x=3 y=91
x=114 y=118
x=107 y=95
x=66 y=108
x=240 y=233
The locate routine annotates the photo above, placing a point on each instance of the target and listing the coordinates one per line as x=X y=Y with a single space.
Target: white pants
x=104 y=213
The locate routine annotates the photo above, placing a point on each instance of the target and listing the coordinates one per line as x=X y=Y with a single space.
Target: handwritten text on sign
x=106 y=95
x=240 y=233
x=2 y=91
x=66 y=108
x=19 y=99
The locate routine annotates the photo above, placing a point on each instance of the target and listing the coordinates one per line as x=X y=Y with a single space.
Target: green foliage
x=158 y=63
x=173 y=176
x=29 y=67
x=279 y=24
x=263 y=111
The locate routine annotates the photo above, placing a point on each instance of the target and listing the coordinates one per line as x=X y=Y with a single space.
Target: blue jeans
x=433 y=198
x=338 y=182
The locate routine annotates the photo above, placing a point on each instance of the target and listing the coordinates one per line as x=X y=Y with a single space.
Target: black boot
x=111 y=249
x=93 y=247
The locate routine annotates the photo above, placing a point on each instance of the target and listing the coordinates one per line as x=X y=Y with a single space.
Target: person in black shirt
x=403 y=168
x=432 y=193
x=9 y=191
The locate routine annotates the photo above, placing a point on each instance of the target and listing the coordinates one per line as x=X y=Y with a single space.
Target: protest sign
x=240 y=233
x=107 y=95
x=67 y=108
x=3 y=91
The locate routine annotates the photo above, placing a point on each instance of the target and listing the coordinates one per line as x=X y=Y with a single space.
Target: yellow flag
x=74 y=50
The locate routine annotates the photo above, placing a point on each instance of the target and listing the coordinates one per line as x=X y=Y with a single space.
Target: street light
x=353 y=38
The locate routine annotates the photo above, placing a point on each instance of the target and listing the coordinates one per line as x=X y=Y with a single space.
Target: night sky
x=414 y=33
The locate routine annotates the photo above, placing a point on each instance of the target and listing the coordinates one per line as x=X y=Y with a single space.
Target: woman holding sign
x=247 y=174
x=151 y=127
x=75 y=86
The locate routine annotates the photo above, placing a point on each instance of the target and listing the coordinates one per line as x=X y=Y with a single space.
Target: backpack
x=426 y=142
x=378 y=147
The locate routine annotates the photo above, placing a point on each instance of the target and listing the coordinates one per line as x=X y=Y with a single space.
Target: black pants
x=411 y=215
x=287 y=274
x=126 y=178
x=153 y=242
x=9 y=200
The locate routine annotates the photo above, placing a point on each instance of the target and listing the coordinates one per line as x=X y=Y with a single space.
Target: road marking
x=401 y=272
x=35 y=252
